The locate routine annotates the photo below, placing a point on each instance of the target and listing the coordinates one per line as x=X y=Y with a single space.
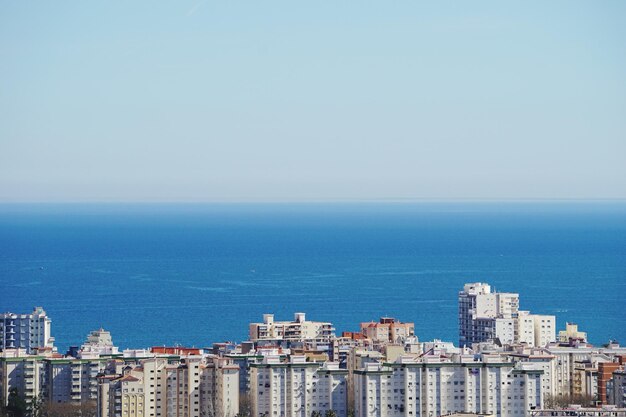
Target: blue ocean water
x=196 y=274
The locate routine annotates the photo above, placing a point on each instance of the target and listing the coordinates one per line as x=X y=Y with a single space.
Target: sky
x=305 y=101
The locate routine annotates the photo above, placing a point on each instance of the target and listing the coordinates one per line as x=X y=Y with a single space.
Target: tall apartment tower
x=486 y=315
x=25 y=331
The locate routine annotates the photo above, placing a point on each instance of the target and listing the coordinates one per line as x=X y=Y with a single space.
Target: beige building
x=73 y=380
x=24 y=372
x=297 y=330
x=534 y=329
x=571 y=333
x=194 y=386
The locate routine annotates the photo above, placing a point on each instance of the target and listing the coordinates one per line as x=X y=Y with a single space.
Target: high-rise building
x=431 y=388
x=486 y=316
x=194 y=386
x=24 y=372
x=297 y=388
x=26 y=331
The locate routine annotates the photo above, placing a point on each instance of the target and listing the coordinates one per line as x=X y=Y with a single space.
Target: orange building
x=388 y=329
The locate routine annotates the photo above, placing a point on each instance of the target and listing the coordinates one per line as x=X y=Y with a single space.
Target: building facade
x=297 y=330
x=433 y=388
x=297 y=388
x=485 y=315
x=26 y=331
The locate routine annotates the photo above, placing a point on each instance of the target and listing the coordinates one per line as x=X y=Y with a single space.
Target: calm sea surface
x=197 y=274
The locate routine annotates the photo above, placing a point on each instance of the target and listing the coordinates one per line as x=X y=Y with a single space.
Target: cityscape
x=507 y=362
x=312 y=209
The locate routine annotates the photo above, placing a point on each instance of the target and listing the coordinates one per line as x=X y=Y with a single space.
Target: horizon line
x=319 y=201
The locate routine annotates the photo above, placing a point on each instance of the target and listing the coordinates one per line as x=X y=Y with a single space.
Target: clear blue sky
x=268 y=100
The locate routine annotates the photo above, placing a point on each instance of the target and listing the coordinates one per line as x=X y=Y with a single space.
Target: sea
x=195 y=274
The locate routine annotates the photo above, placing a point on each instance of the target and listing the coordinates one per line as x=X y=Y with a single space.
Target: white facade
x=98 y=343
x=431 y=389
x=298 y=330
x=505 y=330
x=297 y=388
x=25 y=331
x=485 y=316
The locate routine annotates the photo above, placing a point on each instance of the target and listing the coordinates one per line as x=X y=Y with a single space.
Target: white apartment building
x=486 y=315
x=26 y=331
x=297 y=330
x=543 y=361
x=297 y=388
x=433 y=387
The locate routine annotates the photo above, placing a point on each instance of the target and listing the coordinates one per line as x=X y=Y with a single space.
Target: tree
x=330 y=413
x=83 y=409
x=245 y=405
x=16 y=405
x=563 y=401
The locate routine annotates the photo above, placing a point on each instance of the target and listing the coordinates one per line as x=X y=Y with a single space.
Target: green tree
x=16 y=405
x=330 y=413
x=245 y=406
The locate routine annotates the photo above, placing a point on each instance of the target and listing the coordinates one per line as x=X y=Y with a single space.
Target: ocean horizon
x=193 y=274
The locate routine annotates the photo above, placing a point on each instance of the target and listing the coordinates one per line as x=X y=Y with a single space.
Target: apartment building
x=72 y=380
x=618 y=389
x=485 y=315
x=297 y=388
x=433 y=387
x=388 y=329
x=24 y=372
x=26 y=331
x=193 y=386
x=545 y=329
x=298 y=330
